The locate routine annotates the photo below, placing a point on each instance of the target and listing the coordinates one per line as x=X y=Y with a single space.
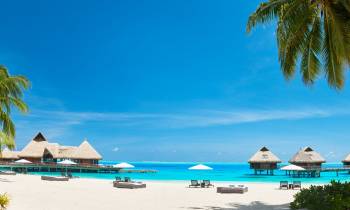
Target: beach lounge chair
x=296 y=184
x=207 y=183
x=127 y=179
x=118 y=178
x=63 y=173
x=129 y=185
x=284 y=184
x=232 y=189
x=7 y=173
x=194 y=183
x=54 y=178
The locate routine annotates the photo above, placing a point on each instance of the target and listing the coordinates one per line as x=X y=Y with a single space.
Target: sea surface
x=235 y=172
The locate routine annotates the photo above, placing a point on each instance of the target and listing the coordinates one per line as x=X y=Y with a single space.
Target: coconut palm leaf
x=314 y=32
x=11 y=93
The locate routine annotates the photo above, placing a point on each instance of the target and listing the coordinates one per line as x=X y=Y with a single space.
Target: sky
x=162 y=80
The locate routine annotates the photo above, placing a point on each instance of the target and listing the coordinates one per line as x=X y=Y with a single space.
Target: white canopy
x=67 y=162
x=200 y=167
x=22 y=161
x=292 y=168
x=123 y=165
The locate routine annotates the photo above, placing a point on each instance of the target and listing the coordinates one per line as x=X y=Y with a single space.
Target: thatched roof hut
x=264 y=155
x=40 y=149
x=35 y=148
x=307 y=158
x=9 y=155
x=263 y=160
x=346 y=160
x=66 y=152
x=86 y=151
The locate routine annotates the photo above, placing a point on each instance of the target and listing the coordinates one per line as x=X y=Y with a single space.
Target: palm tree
x=11 y=92
x=314 y=32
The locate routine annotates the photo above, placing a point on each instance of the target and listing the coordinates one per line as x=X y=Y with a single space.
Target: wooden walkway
x=316 y=172
x=50 y=167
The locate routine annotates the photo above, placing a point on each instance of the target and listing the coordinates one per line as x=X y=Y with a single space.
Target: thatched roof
x=307 y=155
x=7 y=154
x=264 y=155
x=66 y=151
x=86 y=151
x=39 y=137
x=40 y=146
x=52 y=148
x=347 y=159
x=35 y=148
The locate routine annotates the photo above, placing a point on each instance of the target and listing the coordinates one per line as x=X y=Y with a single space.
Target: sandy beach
x=29 y=192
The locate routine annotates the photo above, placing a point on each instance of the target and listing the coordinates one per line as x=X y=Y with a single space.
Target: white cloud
x=115 y=149
x=202 y=118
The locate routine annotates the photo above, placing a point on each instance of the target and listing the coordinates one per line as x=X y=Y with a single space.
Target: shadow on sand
x=256 y=205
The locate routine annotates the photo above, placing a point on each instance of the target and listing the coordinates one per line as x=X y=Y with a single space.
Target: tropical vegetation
x=11 y=94
x=313 y=35
x=334 y=196
x=4 y=201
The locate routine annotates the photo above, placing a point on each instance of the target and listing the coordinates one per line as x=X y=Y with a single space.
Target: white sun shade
x=123 y=165
x=200 y=167
x=292 y=168
x=22 y=161
x=67 y=162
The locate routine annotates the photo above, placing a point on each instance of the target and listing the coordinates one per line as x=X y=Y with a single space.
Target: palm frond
x=310 y=63
x=6 y=141
x=292 y=33
x=266 y=12
x=333 y=63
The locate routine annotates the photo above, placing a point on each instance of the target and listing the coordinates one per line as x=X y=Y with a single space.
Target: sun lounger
x=129 y=185
x=7 y=173
x=127 y=179
x=207 y=183
x=194 y=183
x=296 y=184
x=232 y=189
x=54 y=178
x=118 y=179
x=284 y=184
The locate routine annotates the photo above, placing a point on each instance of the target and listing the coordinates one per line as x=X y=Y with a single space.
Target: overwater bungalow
x=346 y=161
x=264 y=160
x=308 y=159
x=40 y=150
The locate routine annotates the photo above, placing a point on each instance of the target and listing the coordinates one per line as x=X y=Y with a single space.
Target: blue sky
x=163 y=80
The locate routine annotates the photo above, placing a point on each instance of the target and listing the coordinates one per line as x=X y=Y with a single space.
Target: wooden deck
x=316 y=172
x=51 y=167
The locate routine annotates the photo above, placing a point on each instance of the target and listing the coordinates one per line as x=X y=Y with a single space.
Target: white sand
x=29 y=192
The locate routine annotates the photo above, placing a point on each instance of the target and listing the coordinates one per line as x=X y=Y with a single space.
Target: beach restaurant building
x=40 y=150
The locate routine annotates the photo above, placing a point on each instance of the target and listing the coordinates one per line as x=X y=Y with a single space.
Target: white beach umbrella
x=200 y=167
x=292 y=168
x=23 y=161
x=67 y=162
x=123 y=165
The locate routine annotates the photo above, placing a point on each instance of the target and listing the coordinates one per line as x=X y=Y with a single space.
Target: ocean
x=235 y=172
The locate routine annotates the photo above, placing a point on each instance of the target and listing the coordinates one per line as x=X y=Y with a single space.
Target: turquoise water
x=236 y=172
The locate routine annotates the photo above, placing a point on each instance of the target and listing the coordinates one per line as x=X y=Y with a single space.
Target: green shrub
x=4 y=201
x=334 y=196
